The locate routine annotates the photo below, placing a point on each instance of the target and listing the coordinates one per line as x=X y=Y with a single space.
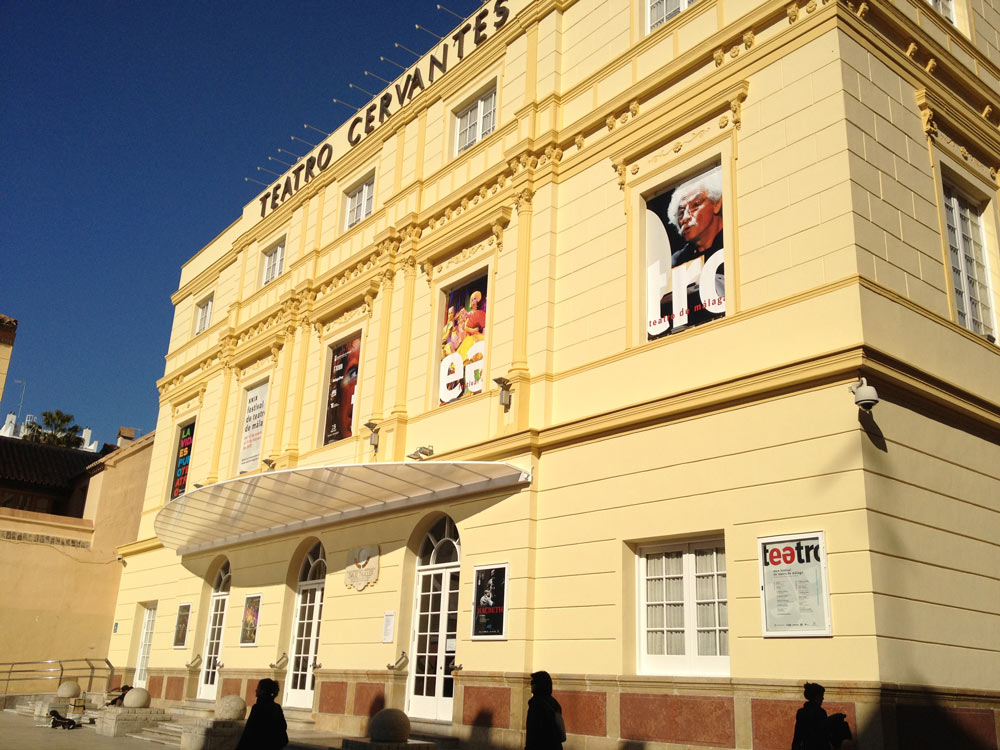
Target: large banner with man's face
x=685 y=278
x=463 y=341
x=340 y=395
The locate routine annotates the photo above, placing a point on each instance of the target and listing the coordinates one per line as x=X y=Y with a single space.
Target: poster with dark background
x=340 y=397
x=490 y=608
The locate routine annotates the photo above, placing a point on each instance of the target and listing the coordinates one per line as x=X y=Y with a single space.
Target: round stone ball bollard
x=69 y=689
x=230 y=708
x=389 y=725
x=136 y=698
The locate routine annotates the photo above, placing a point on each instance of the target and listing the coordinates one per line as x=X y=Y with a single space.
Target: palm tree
x=57 y=428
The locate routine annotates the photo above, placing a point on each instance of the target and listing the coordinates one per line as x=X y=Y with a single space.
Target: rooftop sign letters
x=469 y=36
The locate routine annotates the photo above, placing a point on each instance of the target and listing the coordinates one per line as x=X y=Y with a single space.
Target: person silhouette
x=814 y=730
x=544 y=727
x=266 y=728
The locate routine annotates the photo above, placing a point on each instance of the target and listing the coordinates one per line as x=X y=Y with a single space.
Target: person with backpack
x=545 y=729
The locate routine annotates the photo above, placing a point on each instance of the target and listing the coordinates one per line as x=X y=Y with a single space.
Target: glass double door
x=435 y=635
x=305 y=644
x=207 y=684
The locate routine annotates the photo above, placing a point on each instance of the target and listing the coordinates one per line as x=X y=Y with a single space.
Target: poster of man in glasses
x=685 y=276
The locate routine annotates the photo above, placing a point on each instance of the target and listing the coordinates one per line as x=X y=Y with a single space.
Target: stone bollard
x=389 y=729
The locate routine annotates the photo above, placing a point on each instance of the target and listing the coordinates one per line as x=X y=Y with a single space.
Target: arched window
x=314 y=564
x=222 y=578
x=441 y=545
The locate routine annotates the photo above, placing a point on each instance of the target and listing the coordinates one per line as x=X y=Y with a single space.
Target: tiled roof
x=39 y=464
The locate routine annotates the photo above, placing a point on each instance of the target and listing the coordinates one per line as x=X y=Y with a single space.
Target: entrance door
x=207 y=687
x=301 y=681
x=435 y=628
x=145 y=641
x=207 y=682
x=305 y=644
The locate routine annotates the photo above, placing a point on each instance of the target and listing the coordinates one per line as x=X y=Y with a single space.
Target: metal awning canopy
x=278 y=502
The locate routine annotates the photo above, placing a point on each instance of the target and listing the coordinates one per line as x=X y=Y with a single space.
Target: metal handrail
x=83 y=667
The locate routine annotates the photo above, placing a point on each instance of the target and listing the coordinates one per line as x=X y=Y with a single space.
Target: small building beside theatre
x=650 y=344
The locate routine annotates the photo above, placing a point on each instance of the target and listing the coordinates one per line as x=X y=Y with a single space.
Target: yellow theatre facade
x=552 y=358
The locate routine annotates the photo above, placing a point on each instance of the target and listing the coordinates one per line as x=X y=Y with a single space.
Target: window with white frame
x=359 y=202
x=945 y=7
x=477 y=120
x=274 y=261
x=203 y=318
x=683 y=610
x=661 y=11
x=969 y=265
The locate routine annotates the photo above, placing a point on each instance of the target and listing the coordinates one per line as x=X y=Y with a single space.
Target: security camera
x=865 y=396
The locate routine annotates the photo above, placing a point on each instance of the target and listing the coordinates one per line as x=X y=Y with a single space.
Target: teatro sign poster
x=685 y=275
x=489 y=619
x=463 y=341
x=253 y=428
x=795 y=595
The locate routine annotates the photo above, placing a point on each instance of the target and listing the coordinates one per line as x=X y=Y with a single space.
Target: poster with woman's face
x=685 y=276
x=463 y=341
x=340 y=395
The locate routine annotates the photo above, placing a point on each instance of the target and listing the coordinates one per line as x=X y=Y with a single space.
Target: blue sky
x=127 y=130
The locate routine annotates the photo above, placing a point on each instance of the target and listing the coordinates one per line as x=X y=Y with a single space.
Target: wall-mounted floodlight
x=505 y=395
x=363 y=91
x=436 y=36
x=372 y=425
x=441 y=7
x=307 y=126
x=424 y=451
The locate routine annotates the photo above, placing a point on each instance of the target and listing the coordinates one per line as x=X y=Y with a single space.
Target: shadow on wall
x=376 y=705
x=909 y=720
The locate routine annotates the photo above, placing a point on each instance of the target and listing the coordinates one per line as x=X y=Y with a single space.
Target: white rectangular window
x=204 y=315
x=274 y=261
x=683 y=610
x=476 y=121
x=945 y=7
x=661 y=11
x=969 y=268
x=359 y=202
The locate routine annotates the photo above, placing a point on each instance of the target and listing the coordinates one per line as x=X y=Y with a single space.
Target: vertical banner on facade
x=253 y=428
x=251 y=614
x=181 y=627
x=685 y=277
x=340 y=395
x=184 y=443
x=463 y=341
x=795 y=598
x=489 y=618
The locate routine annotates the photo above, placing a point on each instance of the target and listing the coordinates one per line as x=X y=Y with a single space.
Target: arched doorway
x=435 y=623
x=301 y=681
x=207 y=683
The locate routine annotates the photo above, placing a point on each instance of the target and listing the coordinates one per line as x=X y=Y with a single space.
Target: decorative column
x=406 y=333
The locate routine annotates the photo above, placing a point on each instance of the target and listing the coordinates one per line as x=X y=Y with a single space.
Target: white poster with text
x=253 y=428
x=795 y=596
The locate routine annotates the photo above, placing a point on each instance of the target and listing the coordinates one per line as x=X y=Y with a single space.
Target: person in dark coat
x=266 y=728
x=813 y=729
x=544 y=726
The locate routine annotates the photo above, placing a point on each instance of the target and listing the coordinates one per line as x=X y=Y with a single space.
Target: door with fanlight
x=435 y=624
x=301 y=680
x=145 y=642
x=210 y=662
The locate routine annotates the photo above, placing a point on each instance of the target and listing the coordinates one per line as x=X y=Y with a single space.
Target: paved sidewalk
x=20 y=733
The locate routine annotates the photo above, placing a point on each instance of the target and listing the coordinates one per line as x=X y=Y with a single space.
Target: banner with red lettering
x=489 y=619
x=795 y=595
